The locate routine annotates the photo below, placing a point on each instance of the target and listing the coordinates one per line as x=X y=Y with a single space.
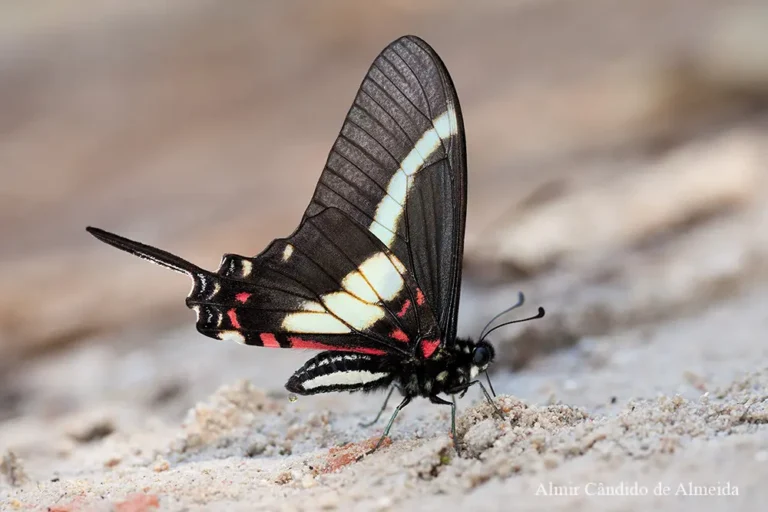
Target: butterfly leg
x=437 y=400
x=496 y=409
x=490 y=400
x=488 y=377
x=402 y=404
x=381 y=411
x=485 y=392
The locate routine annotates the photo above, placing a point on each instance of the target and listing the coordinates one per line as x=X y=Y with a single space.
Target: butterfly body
x=446 y=372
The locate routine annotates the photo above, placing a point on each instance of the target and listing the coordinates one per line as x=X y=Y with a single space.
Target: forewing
x=398 y=168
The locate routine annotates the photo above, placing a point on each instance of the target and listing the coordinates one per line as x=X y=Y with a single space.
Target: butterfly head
x=471 y=359
x=482 y=357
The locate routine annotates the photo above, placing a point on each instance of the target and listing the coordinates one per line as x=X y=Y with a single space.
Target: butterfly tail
x=147 y=252
x=216 y=318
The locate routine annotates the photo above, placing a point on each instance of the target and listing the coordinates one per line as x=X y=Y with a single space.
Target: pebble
x=308 y=481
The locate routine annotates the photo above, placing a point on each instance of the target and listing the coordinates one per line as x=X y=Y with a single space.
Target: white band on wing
x=390 y=208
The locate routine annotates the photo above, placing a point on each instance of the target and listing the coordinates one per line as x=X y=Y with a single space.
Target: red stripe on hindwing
x=428 y=347
x=232 y=314
x=268 y=340
x=242 y=297
x=399 y=335
x=316 y=345
x=419 y=297
x=404 y=309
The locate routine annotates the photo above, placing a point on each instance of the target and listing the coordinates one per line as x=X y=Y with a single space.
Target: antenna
x=520 y=302
x=540 y=314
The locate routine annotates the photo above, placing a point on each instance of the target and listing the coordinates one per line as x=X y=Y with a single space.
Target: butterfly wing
x=331 y=285
x=375 y=265
x=398 y=168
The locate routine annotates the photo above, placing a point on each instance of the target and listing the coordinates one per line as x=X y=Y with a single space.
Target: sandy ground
x=617 y=176
x=682 y=403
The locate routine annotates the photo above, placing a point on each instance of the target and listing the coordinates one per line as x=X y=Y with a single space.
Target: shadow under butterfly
x=372 y=274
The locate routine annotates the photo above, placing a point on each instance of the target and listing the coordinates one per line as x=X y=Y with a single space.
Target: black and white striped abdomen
x=339 y=371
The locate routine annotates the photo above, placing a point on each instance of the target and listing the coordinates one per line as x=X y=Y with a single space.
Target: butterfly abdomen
x=338 y=371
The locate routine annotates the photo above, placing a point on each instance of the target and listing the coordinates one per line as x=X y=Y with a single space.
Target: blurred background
x=617 y=163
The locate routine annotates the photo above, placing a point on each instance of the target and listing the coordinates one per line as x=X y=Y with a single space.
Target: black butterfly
x=372 y=274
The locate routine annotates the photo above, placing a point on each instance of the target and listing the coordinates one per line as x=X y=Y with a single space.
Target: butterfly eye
x=481 y=356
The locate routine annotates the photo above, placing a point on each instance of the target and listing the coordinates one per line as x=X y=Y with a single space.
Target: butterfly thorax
x=449 y=370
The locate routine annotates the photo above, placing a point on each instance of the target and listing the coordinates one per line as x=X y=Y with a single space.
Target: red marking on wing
x=242 y=297
x=233 y=318
x=404 y=310
x=419 y=297
x=268 y=340
x=428 y=347
x=399 y=335
x=316 y=345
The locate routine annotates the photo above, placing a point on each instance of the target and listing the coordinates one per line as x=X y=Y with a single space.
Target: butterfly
x=372 y=275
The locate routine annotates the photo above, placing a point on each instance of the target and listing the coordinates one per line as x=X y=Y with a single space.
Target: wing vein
x=362 y=212
x=346 y=256
x=416 y=77
x=368 y=335
x=376 y=140
x=340 y=175
x=378 y=122
x=384 y=74
x=386 y=111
